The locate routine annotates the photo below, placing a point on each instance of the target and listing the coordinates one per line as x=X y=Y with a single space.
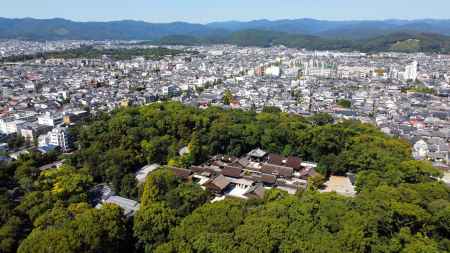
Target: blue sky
x=203 y=11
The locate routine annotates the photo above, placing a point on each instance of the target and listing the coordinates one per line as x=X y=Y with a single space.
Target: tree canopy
x=400 y=205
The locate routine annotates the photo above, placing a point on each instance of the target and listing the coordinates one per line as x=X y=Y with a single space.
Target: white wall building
x=10 y=125
x=411 y=71
x=50 y=120
x=273 y=71
x=420 y=150
x=59 y=136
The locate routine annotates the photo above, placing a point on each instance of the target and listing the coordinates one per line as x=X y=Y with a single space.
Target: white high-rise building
x=59 y=136
x=411 y=71
x=274 y=71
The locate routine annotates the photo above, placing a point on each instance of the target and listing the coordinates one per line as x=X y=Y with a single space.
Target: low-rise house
x=31 y=131
x=129 y=206
x=307 y=173
x=181 y=173
x=255 y=192
x=142 y=174
x=53 y=165
x=231 y=171
x=217 y=185
x=75 y=117
x=276 y=170
x=257 y=154
x=103 y=194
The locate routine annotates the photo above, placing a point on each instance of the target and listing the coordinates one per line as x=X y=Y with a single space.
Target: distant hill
x=340 y=29
x=407 y=42
x=54 y=29
x=368 y=36
x=396 y=42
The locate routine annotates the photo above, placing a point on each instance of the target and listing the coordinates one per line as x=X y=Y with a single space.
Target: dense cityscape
x=405 y=95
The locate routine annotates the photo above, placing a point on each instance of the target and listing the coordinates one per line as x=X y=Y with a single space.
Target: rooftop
x=142 y=174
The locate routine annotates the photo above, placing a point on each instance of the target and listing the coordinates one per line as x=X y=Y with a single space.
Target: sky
x=204 y=11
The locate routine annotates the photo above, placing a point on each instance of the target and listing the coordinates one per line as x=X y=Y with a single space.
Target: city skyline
x=203 y=11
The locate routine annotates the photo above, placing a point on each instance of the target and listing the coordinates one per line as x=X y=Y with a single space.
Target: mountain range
x=50 y=29
x=340 y=29
x=399 y=35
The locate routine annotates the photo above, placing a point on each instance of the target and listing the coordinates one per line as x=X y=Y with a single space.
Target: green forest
x=94 y=53
x=405 y=42
x=400 y=205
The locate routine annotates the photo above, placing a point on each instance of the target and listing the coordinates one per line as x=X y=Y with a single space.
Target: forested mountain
x=407 y=42
x=400 y=205
x=56 y=29
x=396 y=42
x=52 y=29
x=366 y=36
x=340 y=29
